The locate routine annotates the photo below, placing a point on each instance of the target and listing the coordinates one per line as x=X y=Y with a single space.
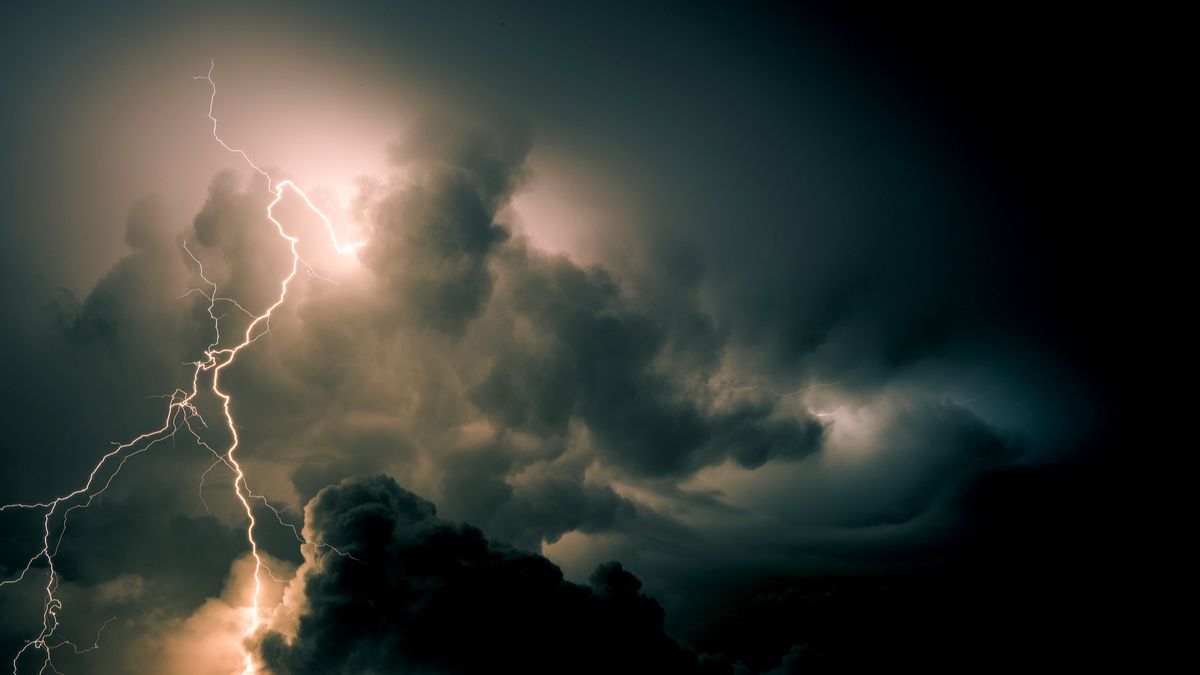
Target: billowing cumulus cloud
x=421 y=594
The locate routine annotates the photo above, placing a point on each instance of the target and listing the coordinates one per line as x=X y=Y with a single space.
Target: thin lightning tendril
x=181 y=413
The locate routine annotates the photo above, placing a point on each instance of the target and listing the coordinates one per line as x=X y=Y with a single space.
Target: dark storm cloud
x=541 y=507
x=430 y=596
x=523 y=389
x=537 y=342
x=565 y=369
x=432 y=238
x=540 y=347
x=780 y=224
x=594 y=359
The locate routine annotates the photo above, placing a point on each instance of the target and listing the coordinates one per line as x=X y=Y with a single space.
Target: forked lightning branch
x=181 y=415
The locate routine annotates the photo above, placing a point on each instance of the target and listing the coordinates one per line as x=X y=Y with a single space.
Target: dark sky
x=748 y=339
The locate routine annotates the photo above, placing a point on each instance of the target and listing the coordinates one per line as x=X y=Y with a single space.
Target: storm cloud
x=415 y=593
x=706 y=338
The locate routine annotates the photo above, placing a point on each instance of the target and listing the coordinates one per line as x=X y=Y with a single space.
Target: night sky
x=743 y=338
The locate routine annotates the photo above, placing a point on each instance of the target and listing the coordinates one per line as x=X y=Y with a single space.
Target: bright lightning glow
x=180 y=413
x=275 y=188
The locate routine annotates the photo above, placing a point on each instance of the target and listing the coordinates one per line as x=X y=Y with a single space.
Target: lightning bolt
x=181 y=414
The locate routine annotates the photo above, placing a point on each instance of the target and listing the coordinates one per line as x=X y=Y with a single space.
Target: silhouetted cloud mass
x=423 y=595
